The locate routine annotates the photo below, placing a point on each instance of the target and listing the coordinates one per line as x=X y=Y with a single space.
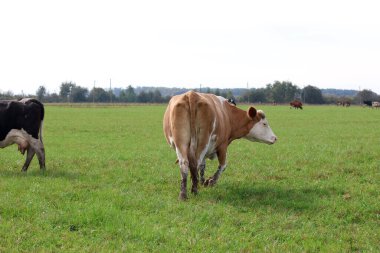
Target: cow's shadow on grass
x=254 y=196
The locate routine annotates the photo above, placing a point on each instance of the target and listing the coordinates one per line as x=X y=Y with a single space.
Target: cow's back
x=177 y=120
x=25 y=114
x=190 y=121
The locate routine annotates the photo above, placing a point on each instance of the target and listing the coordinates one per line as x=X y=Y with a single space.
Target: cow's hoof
x=194 y=191
x=209 y=182
x=182 y=196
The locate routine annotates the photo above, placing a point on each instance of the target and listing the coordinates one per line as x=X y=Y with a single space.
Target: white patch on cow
x=209 y=148
x=22 y=138
x=221 y=99
x=261 y=132
x=15 y=136
x=171 y=142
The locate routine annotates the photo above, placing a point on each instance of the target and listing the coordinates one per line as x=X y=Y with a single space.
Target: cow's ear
x=252 y=112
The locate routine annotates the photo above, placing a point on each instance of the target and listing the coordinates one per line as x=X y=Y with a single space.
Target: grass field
x=112 y=185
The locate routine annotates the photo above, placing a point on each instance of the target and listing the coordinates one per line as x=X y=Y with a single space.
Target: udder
x=22 y=146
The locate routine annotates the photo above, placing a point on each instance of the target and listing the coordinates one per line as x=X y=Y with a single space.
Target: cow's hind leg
x=184 y=167
x=202 y=168
x=194 y=178
x=41 y=156
x=222 y=165
x=39 y=149
x=214 y=179
x=29 y=156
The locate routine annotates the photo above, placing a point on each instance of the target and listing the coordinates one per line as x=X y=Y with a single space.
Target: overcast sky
x=225 y=44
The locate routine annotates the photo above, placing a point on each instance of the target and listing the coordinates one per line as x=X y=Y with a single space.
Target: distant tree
x=258 y=95
x=330 y=99
x=41 y=93
x=52 y=98
x=254 y=96
x=65 y=90
x=278 y=92
x=312 y=95
x=245 y=96
x=78 y=94
x=283 y=91
x=98 y=95
x=7 y=95
x=143 y=97
x=157 y=98
x=130 y=94
x=366 y=95
x=269 y=92
x=229 y=94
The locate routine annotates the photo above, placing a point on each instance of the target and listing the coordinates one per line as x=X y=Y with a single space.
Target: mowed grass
x=112 y=185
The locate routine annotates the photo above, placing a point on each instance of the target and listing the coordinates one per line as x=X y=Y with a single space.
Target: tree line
x=72 y=93
x=276 y=92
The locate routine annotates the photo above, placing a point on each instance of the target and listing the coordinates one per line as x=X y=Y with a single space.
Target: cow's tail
x=42 y=117
x=41 y=127
x=193 y=163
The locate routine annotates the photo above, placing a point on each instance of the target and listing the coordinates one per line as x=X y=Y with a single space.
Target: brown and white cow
x=200 y=126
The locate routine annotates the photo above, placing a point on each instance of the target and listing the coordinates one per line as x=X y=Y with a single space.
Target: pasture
x=112 y=185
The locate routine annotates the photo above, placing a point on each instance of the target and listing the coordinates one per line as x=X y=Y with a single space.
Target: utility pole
x=304 y=95
x=110 y=92
x=247 y=94
x=93 y=94
x=200 y=87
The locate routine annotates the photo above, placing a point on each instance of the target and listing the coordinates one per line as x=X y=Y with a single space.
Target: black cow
x=232 y=101
x=21 y=123
x=368 y=103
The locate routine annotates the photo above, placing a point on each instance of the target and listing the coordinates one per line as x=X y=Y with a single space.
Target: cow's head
x=261 y=131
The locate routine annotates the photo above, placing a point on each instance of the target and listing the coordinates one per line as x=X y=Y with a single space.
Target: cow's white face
x=261 y=132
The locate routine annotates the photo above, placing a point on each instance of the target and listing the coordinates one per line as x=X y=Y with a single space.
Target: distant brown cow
x=343 y=103
x=346 y=103
x=296 y=104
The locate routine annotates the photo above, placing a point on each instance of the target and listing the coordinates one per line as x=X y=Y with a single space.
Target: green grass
x=112 y=185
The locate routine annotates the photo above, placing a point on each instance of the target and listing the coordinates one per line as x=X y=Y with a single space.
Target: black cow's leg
x=29 y=156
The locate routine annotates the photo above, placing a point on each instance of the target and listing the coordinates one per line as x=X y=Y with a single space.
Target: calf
x=21 y=123
x=199 y=126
